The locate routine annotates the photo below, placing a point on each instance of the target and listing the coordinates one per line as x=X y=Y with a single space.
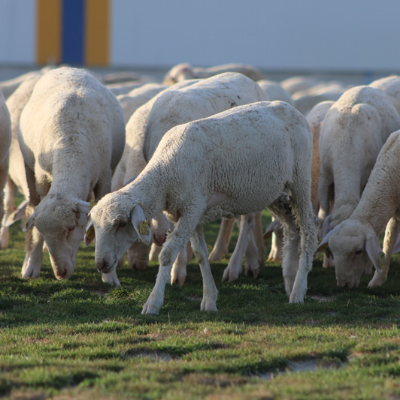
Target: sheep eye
x=122 y=224
x=71 y=228
x=358 y=252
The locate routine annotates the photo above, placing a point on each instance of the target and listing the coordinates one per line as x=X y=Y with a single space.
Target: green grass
x=84 y=339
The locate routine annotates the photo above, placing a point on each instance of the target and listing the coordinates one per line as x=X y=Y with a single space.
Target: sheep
x=185 y=71
x=137 y=97
x=71 y=135
x=352 y=134
x=181 y=104
x=391 y=87
x=275 y=91
x=16 y=175
x=5 y=140
x=314 y=118
x=305 y=103
x=270 y=148
x=296 y=83
x=354 y=242
x=124 y=88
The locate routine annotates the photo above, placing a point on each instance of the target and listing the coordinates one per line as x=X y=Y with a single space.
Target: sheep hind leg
x=232 y=271
x=221 y=245
x=252 y=259
x=391 y=233
x=178 y=273
x=308 y=224
x=210 y=292
x=280 y=208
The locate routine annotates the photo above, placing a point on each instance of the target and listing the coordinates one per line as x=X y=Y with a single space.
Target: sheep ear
x=83 y=207
x=30 y=223
x=375 y=253
x=324 y=242
x=18 y=214
x=90 y=233
x=140 y=224
x=270 y=229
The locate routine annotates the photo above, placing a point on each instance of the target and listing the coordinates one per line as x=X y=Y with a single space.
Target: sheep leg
x=290 y=259
x=210 y=292
x=9 y=201
x=259 y=240
x=252 y=262
x=308 y=224
x=234 y=267
x=391 y=233
x=154 y=252
x=34 y=254
x=175 y=242
x=221 y=245
x=276 y=242
x=111 y=279
x=178 y=273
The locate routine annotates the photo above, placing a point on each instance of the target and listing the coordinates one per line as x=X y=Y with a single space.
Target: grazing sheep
x=314 y=118
x=354 y=243
x=178 y=105
x=391 y=87
x=270 y=146
x=137 y=97
x=297 y=83
x=352 y=134
x=305 y=103
x=72 y=134
x=275 y=91
x=16 y=173
x=185 y=71
x=5 y=140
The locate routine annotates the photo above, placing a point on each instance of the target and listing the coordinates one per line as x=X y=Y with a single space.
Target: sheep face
x=115 y=230
x=62 y=226
x=354 y=247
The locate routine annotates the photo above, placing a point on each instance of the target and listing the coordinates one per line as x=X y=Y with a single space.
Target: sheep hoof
x=296 y=297
x=150 y=309
x=181 y=280
x=377 y=281
x=208 y=305
x=229 y=275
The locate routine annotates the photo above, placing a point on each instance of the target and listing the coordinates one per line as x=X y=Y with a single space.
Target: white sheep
x=185 y=71
x=181 y=104
x=352 y=134
x=190 y=178
x=5 y=140
x=391 y=87
x=305 y=103
x=297 y=83
x=354 y=242
x=124 y=88
x=275 y=91
x=16 y=173
x=314 y=118
x=137 y=97
x=72 y=134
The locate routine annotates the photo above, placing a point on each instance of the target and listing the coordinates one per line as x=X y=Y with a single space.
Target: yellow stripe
x=97 y=32
x=48 y=27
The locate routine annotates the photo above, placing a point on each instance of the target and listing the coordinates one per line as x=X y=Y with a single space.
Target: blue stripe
x=73 y=31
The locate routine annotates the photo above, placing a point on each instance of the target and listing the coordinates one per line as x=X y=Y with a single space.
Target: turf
x=83 y=339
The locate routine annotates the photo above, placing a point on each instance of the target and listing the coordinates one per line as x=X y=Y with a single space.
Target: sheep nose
x=62 y=274
x=102 y=265
x=159 y=239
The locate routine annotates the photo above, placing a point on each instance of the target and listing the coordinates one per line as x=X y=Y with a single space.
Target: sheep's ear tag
x=381 y=259
x=144 y=228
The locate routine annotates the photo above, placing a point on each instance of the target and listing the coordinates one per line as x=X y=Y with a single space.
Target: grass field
x=83 y=339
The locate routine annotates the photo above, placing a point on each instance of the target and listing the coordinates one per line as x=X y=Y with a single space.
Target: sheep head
x=115 y=225
x=61 y=220
x=354 y=246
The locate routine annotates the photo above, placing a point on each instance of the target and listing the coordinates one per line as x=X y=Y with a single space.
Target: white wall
x=275 y=34
x=17 y=31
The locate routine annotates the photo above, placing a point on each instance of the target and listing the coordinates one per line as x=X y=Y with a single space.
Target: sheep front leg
x=221 y=245
x=34 y=254
x=174 y=244
x=391 y=233
x=9 y=202
x=178 y=273
x=210 y=292
x=234 y=267
x=259 y=240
